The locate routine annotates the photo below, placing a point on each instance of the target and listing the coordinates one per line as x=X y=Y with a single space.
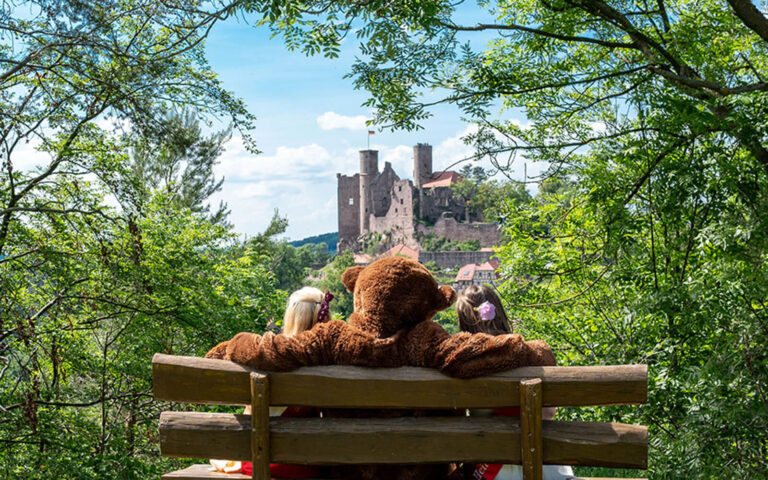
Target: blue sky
x=310 y=126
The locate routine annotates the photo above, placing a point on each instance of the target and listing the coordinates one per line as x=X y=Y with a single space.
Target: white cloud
x=238 y=164
x=401 y=158
x=599 y=128
x=332 y=121
x=114 y=124
x=521 y=125
x=452 y=153
x=299 y=181
x=27 y=157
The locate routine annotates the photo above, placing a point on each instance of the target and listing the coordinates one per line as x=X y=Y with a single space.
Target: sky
x=310 y=126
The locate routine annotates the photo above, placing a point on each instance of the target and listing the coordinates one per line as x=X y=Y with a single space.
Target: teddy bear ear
x=349 y=277
x=448 y=295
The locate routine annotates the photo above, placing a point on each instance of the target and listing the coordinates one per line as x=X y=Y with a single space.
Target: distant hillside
x=330 y=239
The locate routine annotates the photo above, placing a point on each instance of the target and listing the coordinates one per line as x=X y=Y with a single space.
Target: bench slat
x=208 y=381
x=323 y=441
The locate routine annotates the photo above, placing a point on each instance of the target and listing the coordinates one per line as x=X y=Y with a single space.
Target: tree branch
x=539 y=32
x=751 y=16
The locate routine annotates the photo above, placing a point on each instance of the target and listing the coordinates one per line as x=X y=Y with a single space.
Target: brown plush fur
x=395 y=300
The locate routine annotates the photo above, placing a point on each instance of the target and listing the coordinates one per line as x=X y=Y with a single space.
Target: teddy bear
x=395 y=299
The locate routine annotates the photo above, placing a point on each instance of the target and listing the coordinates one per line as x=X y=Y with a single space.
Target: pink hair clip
x=487 y=311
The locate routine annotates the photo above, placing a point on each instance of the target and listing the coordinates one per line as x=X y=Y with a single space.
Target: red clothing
x=488 y=471
x=277 y=470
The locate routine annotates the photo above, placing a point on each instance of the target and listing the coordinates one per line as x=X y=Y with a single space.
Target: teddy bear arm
x=219 y=351
x=539 y=353
x=467 y=356
x=267 y=352
x=424 y=346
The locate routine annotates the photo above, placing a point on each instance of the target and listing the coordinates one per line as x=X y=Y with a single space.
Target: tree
x=91 y=285
x=290 y=265
x=68 y=64
x=179 y=160
x=467 y=187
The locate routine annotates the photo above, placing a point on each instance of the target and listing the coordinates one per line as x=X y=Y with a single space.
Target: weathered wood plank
x=571 y=443
x=323 y=441
x=200 y=380
x=260 y=426
x=205 y=435
x=203 y=472
x=530 y=428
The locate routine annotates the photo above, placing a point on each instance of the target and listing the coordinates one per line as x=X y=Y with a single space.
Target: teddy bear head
x=394 y=293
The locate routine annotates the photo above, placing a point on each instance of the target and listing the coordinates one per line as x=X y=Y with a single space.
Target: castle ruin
x=401 y=210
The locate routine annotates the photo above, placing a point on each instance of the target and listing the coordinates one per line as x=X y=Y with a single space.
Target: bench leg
x=530 y=428
x=260 y=426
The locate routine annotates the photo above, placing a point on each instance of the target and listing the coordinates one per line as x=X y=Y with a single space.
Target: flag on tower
x=371 y=132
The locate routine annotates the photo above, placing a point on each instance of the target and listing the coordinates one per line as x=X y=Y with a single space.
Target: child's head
x=470 y=319
x=301 y=312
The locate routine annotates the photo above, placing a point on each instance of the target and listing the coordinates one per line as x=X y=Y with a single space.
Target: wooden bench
x=528 y=441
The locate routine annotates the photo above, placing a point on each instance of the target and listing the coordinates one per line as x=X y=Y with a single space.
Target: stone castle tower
x=381 y=202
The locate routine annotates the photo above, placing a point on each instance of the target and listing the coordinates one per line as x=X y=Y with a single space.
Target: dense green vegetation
x=108 y=251
x=646 y=243
x=290 y=265
x=484 y=197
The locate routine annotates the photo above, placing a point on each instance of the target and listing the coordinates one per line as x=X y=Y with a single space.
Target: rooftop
x=442 y=179
x=404 y=251
x=467 y=272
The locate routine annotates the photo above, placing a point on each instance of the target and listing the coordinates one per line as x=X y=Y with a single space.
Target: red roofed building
x=475 y=274
x=404 y=251
x=442 y=179
x=363 y=259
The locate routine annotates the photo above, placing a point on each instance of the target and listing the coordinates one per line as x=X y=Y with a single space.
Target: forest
x=646 y=241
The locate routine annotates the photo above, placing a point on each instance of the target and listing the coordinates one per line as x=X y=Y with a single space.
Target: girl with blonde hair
x=304 y=310
x=306 y=307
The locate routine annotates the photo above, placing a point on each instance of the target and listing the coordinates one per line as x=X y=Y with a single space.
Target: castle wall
x=381 y=202
x=381 y=191
x=397 y=222
x=348 y=197
x=437 y=201
x=486 y=233
x=454 y=259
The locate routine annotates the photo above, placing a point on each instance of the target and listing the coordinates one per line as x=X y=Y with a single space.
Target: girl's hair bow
x=322 y=315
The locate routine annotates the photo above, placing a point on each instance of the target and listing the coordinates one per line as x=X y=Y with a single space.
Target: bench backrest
x=528 y=440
